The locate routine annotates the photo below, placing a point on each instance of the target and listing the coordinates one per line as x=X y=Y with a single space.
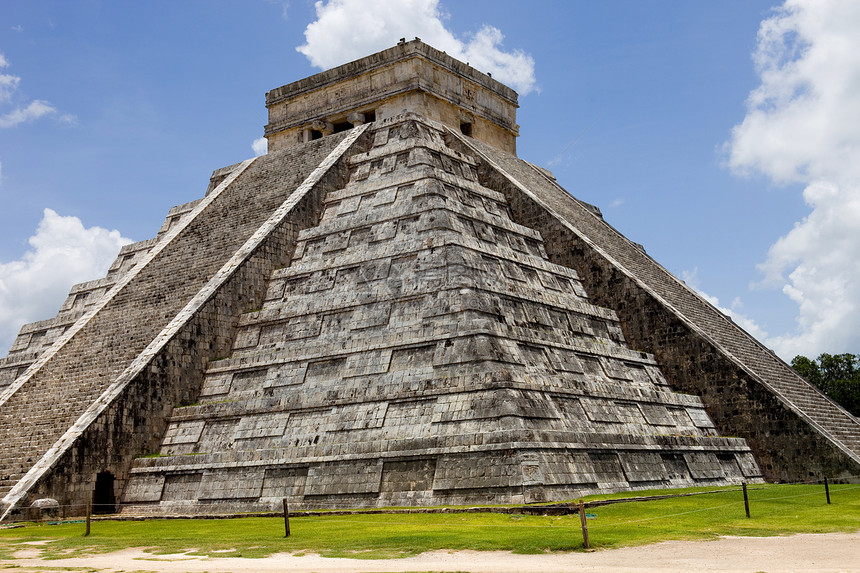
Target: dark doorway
x=342 y=126
x=104 y=500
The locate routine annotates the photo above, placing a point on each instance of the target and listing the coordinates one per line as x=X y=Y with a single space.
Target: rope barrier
x=804 y=494
x=337 y=520
x=663 y=516
x=669 y=494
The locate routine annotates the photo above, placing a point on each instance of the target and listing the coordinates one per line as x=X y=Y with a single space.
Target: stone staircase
x=77 y=374
x=820 y=412
x=421 y=348
x=37 y=337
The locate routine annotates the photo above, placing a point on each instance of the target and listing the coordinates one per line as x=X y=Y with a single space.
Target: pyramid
x=391 y=308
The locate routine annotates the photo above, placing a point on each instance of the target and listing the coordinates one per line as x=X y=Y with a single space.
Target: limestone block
x=279 y=483
x=217 y=384
x=476 y=471
x=217 y=436
x=263 y=425
x=700 y=418
x=144 y=488
x=178 y=487
x=248 y=337
x=704 y=465
x=375 y=362
x=380 y=137
x=629 y=413
x=248 y=380
x=642 y=466
x=342 y=478
x=241 y=483
x=747 y=464
x=285 y=375
x=599 y=410
x=186 y=432
x=412 y=475
x=657 y=415
x=565 y=360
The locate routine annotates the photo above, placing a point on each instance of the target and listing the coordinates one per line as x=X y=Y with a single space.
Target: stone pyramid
x=390 y=308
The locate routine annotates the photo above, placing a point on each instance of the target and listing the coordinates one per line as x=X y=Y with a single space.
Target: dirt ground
x=809 y=553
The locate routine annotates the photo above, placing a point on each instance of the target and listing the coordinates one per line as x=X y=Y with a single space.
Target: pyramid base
x=493 y=476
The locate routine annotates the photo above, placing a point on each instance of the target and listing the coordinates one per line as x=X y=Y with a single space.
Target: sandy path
x=810 y=553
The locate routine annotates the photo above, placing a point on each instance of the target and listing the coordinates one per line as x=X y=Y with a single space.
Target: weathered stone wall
x=134 y=423
x=786 y=446
x=420 y=348
x=411 y=76
x=170 y=369
x=37 y=337
x=785 y=439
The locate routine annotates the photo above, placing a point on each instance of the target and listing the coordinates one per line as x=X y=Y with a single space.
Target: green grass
x=775 y=509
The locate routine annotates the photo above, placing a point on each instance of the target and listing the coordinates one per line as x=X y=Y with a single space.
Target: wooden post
x=584 y=524
x=286 y=518
x=827 y=490
x=746 y=500
x=89 y=514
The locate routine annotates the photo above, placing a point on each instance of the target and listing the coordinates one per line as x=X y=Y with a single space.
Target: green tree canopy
x=837 y=375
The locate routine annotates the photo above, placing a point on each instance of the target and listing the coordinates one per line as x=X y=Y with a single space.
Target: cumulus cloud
x=803 y=126
x=8 y=82
x=34 y=110
x=346 y=30
x=62 y=252
x=260 y=146
x=22 y=113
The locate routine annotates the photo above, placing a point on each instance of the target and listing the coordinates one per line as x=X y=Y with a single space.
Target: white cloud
x=62 y=252
x=803 y=126
x=260 y=146
x=346 y=30
x=35 y=110
x=23 y=114
x=8 y=85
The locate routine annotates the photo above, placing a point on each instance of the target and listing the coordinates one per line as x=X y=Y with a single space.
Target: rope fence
x=112 y=511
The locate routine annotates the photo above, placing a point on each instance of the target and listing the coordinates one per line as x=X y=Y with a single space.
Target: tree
x=837 y=375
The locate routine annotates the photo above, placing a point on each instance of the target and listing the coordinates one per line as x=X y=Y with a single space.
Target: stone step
x=756 y=359
x=79 y=372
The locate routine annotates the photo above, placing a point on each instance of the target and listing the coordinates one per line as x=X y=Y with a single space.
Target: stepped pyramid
x=391 y=308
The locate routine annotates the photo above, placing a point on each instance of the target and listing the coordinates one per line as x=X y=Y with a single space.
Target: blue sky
x=706 y=131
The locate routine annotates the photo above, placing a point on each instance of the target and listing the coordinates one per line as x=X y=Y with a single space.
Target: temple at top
x=410 y=77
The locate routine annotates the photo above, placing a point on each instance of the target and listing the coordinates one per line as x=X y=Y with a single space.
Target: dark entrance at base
x=104 y=500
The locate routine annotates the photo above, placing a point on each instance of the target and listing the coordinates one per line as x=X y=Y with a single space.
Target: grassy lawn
x=775 y=510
